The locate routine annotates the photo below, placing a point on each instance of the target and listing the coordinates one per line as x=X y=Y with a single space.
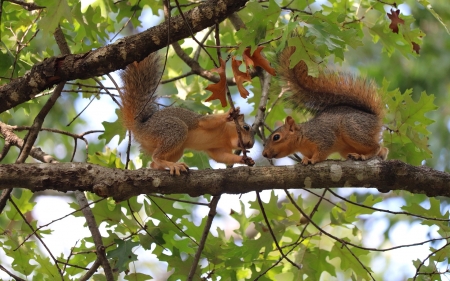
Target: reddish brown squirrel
x=347 y=116
x=165 y=133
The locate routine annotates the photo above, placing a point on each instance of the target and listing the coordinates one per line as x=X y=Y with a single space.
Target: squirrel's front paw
x=247 y=160
x=306 y=161
x=232 y=114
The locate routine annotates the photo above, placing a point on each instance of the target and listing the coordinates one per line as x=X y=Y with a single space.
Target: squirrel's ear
x=240 y=117
x=289 y=121
x=290 y=124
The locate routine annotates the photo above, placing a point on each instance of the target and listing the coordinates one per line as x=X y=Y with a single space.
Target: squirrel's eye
x=246 y=127
x=276 y=137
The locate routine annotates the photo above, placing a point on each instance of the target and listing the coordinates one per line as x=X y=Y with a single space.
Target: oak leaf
x=395 y=20
x=257 y=59
x=240 y=77
x=219 y=89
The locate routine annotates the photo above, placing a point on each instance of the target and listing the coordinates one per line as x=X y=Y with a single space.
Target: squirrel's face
x=248 y=136
x=281 y=142
x=276 y=145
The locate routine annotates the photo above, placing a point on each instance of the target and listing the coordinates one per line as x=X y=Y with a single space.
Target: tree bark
x=123 y=184
x=115 y=56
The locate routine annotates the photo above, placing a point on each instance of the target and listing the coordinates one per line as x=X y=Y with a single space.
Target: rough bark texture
x=123 y=184
x=114 y=56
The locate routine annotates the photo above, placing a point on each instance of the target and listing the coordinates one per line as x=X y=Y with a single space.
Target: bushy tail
x=140 y=80
x=328 y=89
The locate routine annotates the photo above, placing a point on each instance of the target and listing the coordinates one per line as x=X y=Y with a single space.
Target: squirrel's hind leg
x=358 y=151
x=170 y=146
x=162 y=161
x=174 y=167
x=367 y=153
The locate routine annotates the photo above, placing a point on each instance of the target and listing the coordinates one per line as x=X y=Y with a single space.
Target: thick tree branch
x=114 y=56
x=123 y=184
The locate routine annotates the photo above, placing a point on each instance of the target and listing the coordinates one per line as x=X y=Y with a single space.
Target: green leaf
x=314 y=262
x=349 y=260
x=433 y=212
x=108 y=159
x=113 y=128
x=123 y=254
x=138 y=277
x=256 y=29
x=23 y=202
x=56 y=11
x=353 y=211
x=22 y=256
x=196 y=159
x=107 y=211
x=407 y=134
x=47 y=268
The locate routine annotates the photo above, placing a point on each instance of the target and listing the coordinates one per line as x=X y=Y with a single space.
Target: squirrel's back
x=329 y=89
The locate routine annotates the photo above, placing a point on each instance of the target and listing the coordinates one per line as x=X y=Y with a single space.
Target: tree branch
x=123 y=184
x=115 y=56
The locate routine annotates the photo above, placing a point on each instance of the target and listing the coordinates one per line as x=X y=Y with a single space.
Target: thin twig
x=127 y=161
x=96 y=236
x=326 y=199
x=179 y=228
x=11 y=274
x=26 y=5
x=212 y=213
x=53 y=221
x=70 y=264
x=143 y=227
x=134 y=9
x=197 y=52
x=344 y=243
x=192 y=33
x=91 y=271
x=37 y=236
x=296 y=243
x=274 y=238
x=179 y=200
x=427 y=258
x=90 y=86
x=386 y=211
x=354 y=245
x=81 y=112
x=258 y=126
x=106 y=90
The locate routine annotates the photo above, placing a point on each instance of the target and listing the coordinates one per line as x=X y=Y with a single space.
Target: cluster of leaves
x=220 y=88
x=283 y=239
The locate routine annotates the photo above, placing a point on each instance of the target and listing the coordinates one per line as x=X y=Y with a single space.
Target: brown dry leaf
x=257 y=59
x=416 y=47
x=395 y=20
x=219 y=90
x=240 y=77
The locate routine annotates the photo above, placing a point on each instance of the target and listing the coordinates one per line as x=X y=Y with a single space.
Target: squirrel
x=165 y=133
x=347 y=116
